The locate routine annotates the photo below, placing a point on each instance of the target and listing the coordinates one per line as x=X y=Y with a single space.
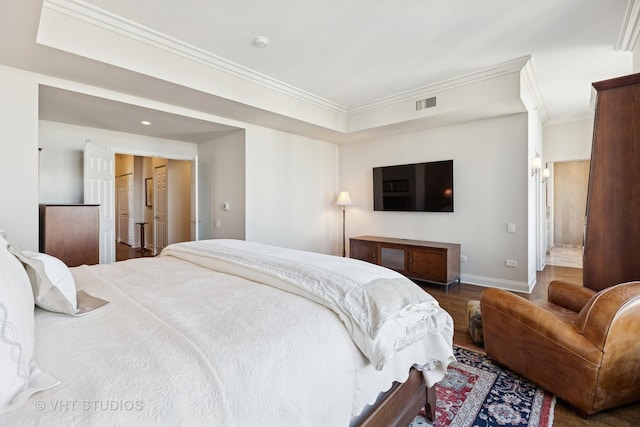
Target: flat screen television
x=416 y=187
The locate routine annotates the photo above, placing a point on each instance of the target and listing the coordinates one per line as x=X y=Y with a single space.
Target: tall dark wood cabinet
x=612 y=230
x=71 y=233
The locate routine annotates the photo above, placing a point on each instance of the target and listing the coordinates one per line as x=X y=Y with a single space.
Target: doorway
x=569 y=200
x=151 y=193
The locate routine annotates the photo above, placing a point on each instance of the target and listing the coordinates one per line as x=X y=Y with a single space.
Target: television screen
x=417 y=187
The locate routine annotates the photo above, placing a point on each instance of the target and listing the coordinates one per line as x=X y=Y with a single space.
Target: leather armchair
x=580 y=345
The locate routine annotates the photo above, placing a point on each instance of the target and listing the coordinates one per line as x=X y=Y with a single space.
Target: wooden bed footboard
x=402 y=403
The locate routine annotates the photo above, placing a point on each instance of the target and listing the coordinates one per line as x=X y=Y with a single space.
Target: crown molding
x=111 y=22
x=571 y=119
x=515 y=65
x=530 y=79
x=630 y=27
x=101 y=18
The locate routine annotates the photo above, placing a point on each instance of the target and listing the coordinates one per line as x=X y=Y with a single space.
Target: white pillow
x=20 y=376
x=53 y=286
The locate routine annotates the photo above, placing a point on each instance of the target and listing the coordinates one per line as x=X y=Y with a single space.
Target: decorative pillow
x=53 y=286
x=20 y=376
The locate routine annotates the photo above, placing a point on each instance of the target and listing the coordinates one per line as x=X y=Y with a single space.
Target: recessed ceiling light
x=261 y=41
x=146 y=123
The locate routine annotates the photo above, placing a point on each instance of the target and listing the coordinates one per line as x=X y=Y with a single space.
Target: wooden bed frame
x=402 y=403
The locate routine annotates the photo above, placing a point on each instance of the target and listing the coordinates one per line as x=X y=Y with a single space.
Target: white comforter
x=184 y=345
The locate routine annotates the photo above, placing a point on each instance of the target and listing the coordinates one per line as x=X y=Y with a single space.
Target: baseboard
x=492 y=282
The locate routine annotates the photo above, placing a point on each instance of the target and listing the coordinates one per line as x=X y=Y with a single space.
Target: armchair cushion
x=580 y=345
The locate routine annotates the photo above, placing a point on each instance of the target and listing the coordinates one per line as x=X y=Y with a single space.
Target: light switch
x=225 y=206
x=511 y=227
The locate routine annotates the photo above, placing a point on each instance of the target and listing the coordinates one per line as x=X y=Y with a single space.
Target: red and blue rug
x=475 y=392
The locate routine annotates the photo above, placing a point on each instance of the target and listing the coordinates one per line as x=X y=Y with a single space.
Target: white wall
x=568 y=141
x=295 y=210
x=490 y=190
x=537 y=245
x=221 y=178
x=291 y=185
x=19 y=157
x=61 y=167
x=291 y=180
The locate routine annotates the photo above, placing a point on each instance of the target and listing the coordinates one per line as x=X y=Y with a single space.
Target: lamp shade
x=536 y=163
x=343 y=199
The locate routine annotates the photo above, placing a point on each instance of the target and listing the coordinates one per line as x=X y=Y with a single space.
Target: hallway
x=565 y=256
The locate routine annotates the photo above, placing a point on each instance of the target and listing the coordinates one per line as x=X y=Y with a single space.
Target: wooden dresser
x=71 y=233
x=429 y=261
x=612 y=229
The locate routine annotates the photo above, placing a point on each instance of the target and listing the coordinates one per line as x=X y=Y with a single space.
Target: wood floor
x=454 y=302
x=124 y=252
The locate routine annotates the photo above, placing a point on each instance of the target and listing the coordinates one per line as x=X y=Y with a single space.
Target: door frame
x=156 y=198
x=141 y=153
x=130 y=234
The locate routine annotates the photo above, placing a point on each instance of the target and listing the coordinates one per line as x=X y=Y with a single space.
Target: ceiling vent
x=426 y=103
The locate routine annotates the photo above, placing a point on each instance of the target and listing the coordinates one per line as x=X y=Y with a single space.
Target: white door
x=124 y=203
x=160 y=206
x=195 y=220
x=128 y=200
x=99 y=189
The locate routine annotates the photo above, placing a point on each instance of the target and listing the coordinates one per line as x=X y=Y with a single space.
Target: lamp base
x=344 y=245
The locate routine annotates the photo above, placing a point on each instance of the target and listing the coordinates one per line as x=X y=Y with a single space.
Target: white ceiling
x=355 y=51
x=65 y=106
x=358 y=51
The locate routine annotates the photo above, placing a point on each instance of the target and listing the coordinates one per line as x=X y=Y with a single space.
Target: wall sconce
x=546 y=173
x=536 y=165
x=343 y=200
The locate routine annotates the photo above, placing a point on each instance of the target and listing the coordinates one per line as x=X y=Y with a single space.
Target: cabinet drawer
x=429 y=264
x=365 y=251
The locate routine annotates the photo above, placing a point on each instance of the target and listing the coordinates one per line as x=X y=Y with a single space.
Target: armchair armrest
x=619 y=302
x=542 y=324
x=569 y=295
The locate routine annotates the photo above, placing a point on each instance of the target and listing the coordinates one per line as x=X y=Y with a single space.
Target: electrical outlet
x=511 y=263
x=463 y=257
x=217 y=223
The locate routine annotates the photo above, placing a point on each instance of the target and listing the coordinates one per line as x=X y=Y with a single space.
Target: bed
x=234 y=333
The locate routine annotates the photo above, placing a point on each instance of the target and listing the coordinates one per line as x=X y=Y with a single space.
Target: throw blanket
x=383 y=311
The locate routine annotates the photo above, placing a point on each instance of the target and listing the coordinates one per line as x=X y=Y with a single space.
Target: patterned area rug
x=475 y=392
